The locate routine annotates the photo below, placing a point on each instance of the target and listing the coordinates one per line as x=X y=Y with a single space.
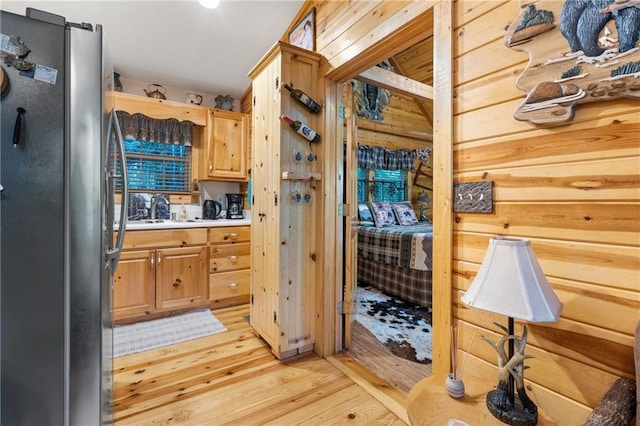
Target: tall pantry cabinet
x=285 y=190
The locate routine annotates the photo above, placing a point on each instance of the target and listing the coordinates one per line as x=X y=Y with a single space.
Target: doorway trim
x=329 y=321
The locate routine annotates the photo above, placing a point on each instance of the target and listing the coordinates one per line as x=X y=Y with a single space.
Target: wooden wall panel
x=616 y=138
x=601 y=264
x=571 y=189
x=571 y=378
x=607 y=179
x=481 y=123
x=612 y=223
x=491 y=89
x=574 y=190
x=470 y=10
x=363 y=27
x=475 y=34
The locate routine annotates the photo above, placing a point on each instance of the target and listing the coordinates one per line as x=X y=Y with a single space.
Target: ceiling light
x=209 y=4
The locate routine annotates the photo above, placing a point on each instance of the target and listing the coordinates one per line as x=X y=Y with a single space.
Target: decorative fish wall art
x=579 y=51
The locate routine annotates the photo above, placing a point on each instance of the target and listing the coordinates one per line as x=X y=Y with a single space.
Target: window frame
x=186 y=160
x=370 y=179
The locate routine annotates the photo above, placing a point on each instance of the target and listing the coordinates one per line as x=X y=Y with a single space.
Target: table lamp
x=510 y=282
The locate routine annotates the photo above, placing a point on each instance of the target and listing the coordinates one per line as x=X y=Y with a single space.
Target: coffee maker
x=235 y=206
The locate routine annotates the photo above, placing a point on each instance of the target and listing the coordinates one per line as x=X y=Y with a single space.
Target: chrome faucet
x=154 y=203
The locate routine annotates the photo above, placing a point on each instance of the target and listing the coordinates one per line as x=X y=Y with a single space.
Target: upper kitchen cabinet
x=225 y=154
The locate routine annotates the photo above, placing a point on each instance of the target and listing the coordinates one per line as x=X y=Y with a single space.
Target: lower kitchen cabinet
x=229 y=265
x=152 y=280
x=134 y=285
x=181 y=278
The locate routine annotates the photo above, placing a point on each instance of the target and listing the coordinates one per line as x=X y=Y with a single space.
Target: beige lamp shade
x=510 y=282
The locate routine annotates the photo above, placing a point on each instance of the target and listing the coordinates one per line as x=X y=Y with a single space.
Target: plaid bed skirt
x=408 y=284
x=394 y=245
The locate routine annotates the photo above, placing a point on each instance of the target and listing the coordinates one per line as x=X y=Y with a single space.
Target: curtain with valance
x=142 y=128
x=377 y=157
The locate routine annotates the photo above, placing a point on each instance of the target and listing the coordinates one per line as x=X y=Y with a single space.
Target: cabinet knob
x=153 y=261
x=232 y=257
x=233 y=236
x=176 y=285
x=210 y=166
x=233 y=285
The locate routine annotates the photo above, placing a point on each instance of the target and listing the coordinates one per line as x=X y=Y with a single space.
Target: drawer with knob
x=229 y=265
x=226 y=285
x=229 y=257
x=229 y=235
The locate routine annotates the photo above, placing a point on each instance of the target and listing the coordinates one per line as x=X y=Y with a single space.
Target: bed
x=397 y=260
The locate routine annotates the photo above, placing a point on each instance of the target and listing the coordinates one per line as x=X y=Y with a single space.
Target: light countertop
x=191 y=223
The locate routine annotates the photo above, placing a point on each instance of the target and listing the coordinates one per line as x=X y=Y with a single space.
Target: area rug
x=404 y=328
x=142 y=336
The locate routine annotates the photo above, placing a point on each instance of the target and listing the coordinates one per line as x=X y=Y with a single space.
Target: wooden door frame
x=329 y=322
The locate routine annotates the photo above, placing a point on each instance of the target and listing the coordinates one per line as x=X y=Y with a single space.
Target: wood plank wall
x=344 y=29
x=574 y=191
x=586 y=236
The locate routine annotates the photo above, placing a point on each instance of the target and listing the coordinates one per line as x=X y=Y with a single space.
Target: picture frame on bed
x=364 y=213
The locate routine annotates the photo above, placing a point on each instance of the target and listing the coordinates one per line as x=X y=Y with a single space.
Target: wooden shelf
x=301 y=176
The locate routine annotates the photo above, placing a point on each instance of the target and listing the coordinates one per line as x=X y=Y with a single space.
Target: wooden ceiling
x=411 y=85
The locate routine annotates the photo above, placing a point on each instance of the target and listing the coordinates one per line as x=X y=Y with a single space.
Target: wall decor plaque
x=579 y=51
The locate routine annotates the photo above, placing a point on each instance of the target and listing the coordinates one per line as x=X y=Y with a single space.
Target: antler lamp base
x=511 y=413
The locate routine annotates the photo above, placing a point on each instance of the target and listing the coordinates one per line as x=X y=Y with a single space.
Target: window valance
x=143 y=128
x=377 y=157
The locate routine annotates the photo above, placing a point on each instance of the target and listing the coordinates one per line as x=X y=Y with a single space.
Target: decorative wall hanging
x=371 y=100
x=224 y=102
x=304 y=33
x=580 y=51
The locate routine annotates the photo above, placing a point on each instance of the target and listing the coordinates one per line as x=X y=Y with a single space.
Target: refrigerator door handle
x=18 y=128
x=113 y=255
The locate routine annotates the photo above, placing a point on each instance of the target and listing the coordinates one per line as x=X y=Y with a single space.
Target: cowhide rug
x=402 y=327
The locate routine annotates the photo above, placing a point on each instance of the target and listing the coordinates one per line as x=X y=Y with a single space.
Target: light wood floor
x=232 y=378
x=373 y=355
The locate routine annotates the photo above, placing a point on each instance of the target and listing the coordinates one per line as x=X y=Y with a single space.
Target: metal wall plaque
x=473 y=197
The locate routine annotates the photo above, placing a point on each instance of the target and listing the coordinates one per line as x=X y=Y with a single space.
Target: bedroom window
x=381 y=185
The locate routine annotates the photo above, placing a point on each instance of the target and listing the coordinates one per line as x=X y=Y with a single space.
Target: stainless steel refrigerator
x=57 y=253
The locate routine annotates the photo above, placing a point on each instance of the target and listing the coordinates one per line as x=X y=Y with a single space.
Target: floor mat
x=403 y=327
x=142 y=336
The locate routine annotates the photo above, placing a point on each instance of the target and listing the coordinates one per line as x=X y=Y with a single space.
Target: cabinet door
x=181 y=277
x=134 y=285
x=227 y=153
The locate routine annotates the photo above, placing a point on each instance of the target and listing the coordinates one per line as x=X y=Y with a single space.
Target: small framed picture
x=304 y=33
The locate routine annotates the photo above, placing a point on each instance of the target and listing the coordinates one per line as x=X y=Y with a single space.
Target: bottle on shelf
x=302 y=129
x=303 y=98
x=183 y=213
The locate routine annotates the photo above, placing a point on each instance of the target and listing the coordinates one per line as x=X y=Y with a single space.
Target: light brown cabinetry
x=181 y=278
x=161 y=271
x=134 y=285
x=229 y=265
x=226 y=149
x=283 y=238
